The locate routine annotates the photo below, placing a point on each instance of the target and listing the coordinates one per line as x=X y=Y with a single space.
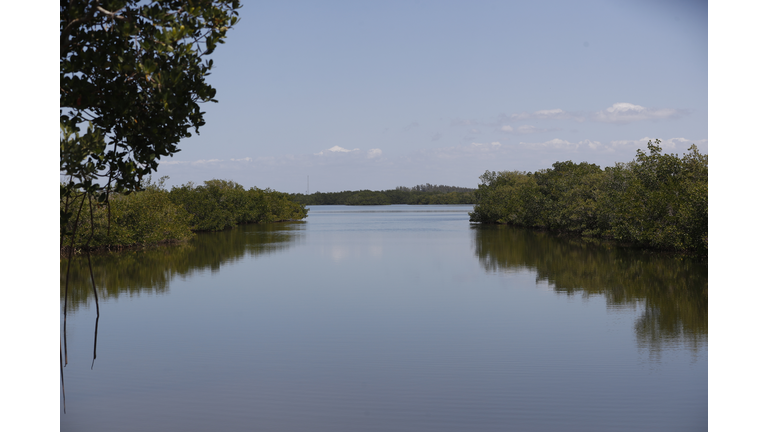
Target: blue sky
x=374 y=95
x=305 y=80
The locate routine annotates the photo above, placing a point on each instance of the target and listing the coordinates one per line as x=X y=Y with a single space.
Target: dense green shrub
x=658 y=200
x=665 y=201
x=212 y=206
x=569 y=195
x=138 y=218
x=156 y=215
x=279 y=206
x=220 y=204
x=508 y=197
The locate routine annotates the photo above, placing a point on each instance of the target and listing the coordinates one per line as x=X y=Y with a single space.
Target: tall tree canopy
x=134 y=72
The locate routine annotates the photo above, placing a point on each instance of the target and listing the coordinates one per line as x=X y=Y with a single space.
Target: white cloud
x=507 y=128
x=373 y=153
x=624 y=112
x=594 y=145
x=336 y=149
x=550 y=113
x=341 y=149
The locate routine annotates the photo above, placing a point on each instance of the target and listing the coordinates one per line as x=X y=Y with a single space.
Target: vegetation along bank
x=421 y=194
x=657 y=200
x=155 y=215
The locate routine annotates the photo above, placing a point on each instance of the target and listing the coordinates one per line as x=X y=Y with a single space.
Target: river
x=383 y=318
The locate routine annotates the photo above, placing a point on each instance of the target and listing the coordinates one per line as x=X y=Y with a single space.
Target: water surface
x=387 y=318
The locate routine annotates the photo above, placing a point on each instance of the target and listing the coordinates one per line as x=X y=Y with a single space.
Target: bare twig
x=111 y=15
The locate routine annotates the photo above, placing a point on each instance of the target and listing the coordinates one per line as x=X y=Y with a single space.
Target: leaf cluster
x=141 y=218
x=134 y=72
x=220 y=204
x=657 y=200
x=155 y=215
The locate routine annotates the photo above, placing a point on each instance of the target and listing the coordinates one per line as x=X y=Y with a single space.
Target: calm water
x=404 y=318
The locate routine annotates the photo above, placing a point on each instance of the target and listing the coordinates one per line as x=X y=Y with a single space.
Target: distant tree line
x=420 y=194
x=155 y=215
x=657 y=200
x=435 y=188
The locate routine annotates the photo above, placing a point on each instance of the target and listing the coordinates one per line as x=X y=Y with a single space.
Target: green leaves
x=221 y=204
x=658 y=200
x=136 y=75
x=142 y=218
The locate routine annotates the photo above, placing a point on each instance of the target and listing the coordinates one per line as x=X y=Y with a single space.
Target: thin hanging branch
x=61 y=370
x=69 y=260
x=66 y=278
x=96 y=297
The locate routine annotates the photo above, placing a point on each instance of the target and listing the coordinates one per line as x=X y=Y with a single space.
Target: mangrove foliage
x=156 y=215
x=420 y=194
x=657 y=200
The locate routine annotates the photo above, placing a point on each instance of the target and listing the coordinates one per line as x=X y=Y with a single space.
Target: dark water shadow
x=672 y=290
x=150 y=270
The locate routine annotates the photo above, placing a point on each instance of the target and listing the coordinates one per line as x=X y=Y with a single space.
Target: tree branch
x=111 y=15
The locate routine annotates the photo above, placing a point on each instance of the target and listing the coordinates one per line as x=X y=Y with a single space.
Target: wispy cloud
x=618 y=113
x=437 y=136
x=374 y=153
x=556 y=143
x=412 y=125
x=676 y=144
x=472 y=151
x=493 y=144
x=336 y=149
x=561 y=144
x=202 y=162
x=197 y=162
x=623 y=112
x=526 y=129
x=502 y=120
x=461 y=122
x=549 y=114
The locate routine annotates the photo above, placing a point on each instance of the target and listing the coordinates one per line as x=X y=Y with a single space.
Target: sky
x=346 y=95
x=299 y=79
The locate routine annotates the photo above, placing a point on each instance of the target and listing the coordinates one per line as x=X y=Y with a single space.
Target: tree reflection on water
x=671 y=289
x=149 y=270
